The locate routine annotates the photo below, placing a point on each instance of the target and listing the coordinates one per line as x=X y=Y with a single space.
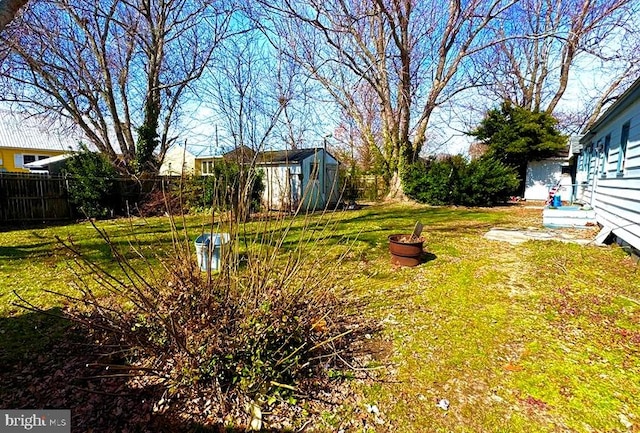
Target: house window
x=584 y=162
x=21 y=160
x=26 y=159
x=605 y=155
x=624 y=139
x=207 y=167
x=580 y=161
x=587 y=159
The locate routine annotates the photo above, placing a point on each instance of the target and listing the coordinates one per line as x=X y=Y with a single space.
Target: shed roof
x=34 y=133
x=286 y=156
x=574 y=144
x=565 y=152
x=242 y=153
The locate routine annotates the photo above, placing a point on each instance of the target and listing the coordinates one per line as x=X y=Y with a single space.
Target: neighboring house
x=608 y=167
x=307 y=177
x=302 y=177
x=241 y=154
x=178 y=160
x=205 y=163
x=24 y=140
x=50 y=165
x=545 y=174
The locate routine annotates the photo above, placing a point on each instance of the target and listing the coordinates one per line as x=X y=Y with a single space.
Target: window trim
x=18 y=162
x=588 y=155
x=28 y=159
x=206 y=167
x=622 y=150
x=605 y=155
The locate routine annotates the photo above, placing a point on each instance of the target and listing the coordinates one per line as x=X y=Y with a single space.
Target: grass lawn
x=541 y=336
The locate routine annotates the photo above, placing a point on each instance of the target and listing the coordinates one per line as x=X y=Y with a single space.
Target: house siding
x=278 y=193
x=176 y=161
x=35 y=136
x=612 y=191
x=12 y=159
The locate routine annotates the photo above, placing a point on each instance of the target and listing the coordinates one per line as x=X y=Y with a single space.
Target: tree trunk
x=396 y=193
x=8 y=10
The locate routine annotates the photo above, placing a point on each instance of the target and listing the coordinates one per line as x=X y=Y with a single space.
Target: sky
x=447 y=127
x=203 y=130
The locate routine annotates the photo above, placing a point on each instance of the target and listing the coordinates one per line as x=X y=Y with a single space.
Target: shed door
x=295 y=188
x=331 y=184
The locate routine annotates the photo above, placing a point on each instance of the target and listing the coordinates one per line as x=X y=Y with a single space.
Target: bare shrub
x=275 y=315
x=160 y=202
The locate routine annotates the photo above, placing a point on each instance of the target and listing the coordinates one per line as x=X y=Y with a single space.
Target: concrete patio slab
x=518 y=236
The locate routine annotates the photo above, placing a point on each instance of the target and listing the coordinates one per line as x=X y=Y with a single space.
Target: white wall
x=177 y=160
x=289 y=185
x=542 y=176
x=277 y=193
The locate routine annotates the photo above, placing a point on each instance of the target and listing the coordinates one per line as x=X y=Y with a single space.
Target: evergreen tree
x=515 y=136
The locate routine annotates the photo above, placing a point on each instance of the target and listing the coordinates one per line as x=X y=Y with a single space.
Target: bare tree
x=248 y=89
x=361 y=131
x=117 y=68
x=542 y=42
x=413 y=56
x=622 y=69
x=304 y=111
x=8 y=10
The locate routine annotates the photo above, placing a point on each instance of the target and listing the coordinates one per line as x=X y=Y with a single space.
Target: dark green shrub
x=436 y=182
x=487 y=182
x=415 y=182
x=454 y=181
x=91 y=179
x=516 y=136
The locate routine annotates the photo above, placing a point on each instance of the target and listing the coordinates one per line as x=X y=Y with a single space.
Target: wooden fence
x=369 y=187
x=31 y=198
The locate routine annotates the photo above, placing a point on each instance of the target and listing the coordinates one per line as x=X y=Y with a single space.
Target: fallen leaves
x=102 y=399
x=513 y=367
x=535 y=403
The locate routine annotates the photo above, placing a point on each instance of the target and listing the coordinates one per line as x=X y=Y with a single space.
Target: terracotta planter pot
x=405 y=253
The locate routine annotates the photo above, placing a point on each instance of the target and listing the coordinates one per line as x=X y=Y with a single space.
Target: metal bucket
x=208 y=250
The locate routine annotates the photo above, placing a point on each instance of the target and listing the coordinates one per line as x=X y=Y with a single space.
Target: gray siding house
x=608 y=167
